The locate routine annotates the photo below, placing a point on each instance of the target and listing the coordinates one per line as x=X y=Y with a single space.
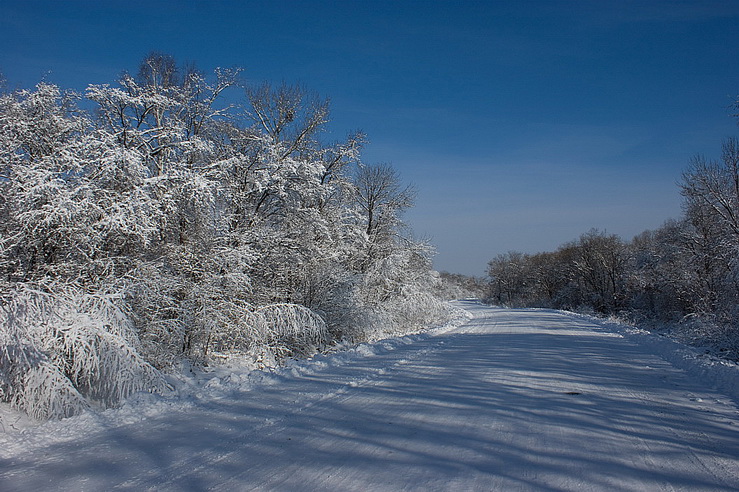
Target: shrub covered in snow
x=62 y=352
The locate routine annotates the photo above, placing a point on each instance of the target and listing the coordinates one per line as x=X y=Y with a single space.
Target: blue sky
x=522 y=124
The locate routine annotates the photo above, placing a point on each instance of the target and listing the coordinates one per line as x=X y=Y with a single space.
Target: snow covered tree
x=711 y=193
x=600 y=266
x=382 y=199
x=72 y=199
x=509 y=278
x=217 y=232
x=713 y=188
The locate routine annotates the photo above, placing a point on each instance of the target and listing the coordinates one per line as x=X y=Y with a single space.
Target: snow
x=503 y=399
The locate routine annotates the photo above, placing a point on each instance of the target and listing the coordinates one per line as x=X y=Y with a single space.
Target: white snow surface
x=503 y=399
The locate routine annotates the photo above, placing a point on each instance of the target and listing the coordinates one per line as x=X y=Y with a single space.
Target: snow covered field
x=509 y=400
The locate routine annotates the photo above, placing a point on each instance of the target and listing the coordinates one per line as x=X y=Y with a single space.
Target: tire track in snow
x=340 y=389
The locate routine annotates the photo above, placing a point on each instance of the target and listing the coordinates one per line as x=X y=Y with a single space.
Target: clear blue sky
x=522 y=124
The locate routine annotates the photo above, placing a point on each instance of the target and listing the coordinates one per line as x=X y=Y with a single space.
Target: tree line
x=684 y=274
x=154 y=220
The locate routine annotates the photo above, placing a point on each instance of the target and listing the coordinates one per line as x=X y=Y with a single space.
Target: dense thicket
x=684 y=274
x=162 y=223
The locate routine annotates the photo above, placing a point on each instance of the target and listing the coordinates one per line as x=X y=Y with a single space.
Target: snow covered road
x=511 y=400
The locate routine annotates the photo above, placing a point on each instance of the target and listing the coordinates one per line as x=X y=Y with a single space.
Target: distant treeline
x=684 y=274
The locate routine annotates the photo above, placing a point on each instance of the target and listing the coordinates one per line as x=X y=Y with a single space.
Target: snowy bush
x=707 y=331
x=402 y=286
x=292 y=328
x=61 y=352
x=282 y=329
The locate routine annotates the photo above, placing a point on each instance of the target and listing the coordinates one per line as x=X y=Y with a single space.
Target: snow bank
x=719 y=374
